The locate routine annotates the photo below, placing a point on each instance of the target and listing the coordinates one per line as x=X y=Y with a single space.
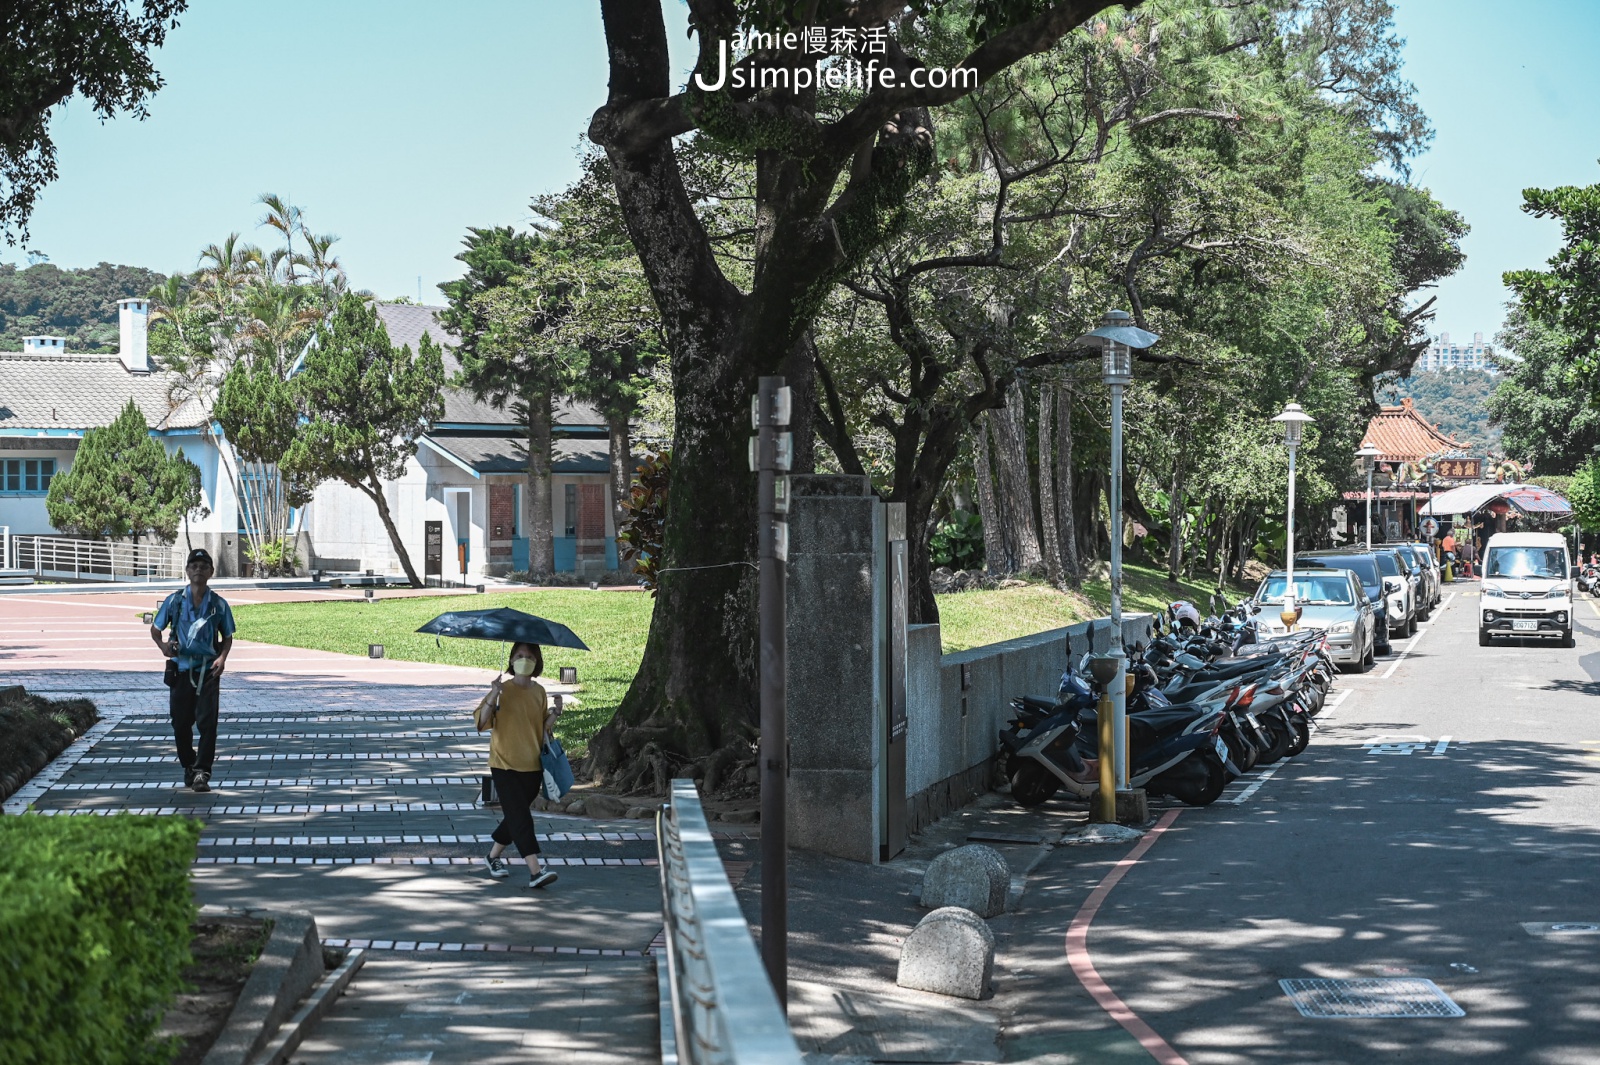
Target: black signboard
x=433 y=552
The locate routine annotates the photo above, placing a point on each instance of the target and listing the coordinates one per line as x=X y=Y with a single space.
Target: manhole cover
x=1398 y=997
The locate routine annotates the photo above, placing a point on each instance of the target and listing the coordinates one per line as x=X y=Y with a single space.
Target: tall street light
x=1116 y=338
x=1294 y=422
x=1369 y=457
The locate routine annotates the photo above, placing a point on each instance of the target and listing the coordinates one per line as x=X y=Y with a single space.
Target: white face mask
x=522 y=667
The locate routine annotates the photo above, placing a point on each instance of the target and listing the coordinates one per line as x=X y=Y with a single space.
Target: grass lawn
x=972 y=619
x=614 y=625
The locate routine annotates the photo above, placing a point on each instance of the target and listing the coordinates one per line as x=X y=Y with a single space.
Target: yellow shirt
x=519 y=727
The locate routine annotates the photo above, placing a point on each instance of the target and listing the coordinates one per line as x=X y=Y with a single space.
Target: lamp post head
x=1116 y=338
x=1368 y=455
x=1294 y=421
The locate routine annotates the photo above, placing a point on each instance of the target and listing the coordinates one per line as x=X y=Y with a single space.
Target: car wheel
x=1411 y=625
x=1567 y=640
x=1483 y=638
x=1366 y=662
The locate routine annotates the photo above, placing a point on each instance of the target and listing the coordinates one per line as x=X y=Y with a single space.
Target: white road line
x=1412 y=646
x=1338 y=701
x=1254 y=786
x=1440 y=747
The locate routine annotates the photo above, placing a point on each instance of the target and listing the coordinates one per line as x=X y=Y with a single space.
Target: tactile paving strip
x=1382 y=997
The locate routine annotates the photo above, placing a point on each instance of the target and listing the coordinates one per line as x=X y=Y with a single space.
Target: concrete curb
x=320 y=1001
x=290 y=965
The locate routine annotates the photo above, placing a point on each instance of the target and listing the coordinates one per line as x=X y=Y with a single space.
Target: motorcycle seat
x=1041 y=703
x=1229 y=668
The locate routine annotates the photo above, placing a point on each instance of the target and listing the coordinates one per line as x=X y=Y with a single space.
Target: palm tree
x=287 y=219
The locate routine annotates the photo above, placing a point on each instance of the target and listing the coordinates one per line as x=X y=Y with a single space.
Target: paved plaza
x=346 y=787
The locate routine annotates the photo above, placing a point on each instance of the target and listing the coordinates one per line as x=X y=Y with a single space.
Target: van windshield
x=1549 y=563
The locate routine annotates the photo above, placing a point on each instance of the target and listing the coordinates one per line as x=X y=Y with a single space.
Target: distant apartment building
x=1443 y=355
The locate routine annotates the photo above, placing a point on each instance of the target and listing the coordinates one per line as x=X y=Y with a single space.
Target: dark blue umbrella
x=505 y=625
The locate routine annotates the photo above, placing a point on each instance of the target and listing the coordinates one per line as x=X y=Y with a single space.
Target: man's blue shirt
x=196 y=627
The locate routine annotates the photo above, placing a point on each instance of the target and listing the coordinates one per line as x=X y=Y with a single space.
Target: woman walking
x=519 y=721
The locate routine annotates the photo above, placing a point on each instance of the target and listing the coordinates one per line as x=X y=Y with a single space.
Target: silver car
x=1329 y=599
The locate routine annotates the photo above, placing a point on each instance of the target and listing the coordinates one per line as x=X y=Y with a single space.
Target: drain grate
x=1396 y=997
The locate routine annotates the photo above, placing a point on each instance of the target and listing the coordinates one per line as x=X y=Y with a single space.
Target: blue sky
x=397 y=125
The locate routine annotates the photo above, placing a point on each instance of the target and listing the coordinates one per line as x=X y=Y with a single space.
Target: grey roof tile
x=407 y=322
x=83 y=392
x=509 y=454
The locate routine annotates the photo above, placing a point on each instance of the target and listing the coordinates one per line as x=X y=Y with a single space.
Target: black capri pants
x=517 y=790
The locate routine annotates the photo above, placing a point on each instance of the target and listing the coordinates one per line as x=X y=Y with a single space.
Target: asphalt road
x=1443 y=807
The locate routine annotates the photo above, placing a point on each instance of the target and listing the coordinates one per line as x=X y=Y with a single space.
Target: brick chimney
x=42 y=345
x=133 y=323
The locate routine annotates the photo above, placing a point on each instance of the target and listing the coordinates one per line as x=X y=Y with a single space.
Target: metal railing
x=721 y=1006
x=54 y=556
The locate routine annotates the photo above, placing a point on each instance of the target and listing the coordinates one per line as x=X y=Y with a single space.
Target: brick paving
x=347 y=788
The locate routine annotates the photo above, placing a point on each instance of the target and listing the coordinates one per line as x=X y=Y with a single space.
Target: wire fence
x=718 y=1006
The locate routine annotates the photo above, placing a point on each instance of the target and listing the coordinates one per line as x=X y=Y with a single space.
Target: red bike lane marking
x=1083 y=965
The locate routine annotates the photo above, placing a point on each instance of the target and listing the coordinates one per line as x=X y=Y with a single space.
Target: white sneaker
x=499 y=868
x=543 y=880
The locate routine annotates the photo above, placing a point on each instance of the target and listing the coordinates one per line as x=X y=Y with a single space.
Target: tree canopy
x=50 y=51
x=79 y=304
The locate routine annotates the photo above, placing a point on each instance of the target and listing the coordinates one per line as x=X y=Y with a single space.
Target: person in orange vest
x=1447 y=546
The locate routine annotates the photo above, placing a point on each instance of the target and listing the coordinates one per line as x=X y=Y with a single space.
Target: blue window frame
x=27 y=476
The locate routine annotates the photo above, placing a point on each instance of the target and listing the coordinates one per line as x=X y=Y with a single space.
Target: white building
x=1443 y=355
x=469 y=473
x=49 y=397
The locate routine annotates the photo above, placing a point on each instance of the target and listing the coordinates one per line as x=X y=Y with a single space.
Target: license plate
x=1524 y=626
x=1222 y=748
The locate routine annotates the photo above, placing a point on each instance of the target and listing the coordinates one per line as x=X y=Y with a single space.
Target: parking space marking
x=1412 y=646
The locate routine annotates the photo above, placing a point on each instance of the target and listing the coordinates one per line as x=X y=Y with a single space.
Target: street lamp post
x=1116 y=338
x=1369 y=457
x=1294 y=421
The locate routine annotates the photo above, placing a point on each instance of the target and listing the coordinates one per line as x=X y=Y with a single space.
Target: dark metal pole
x=772 y=461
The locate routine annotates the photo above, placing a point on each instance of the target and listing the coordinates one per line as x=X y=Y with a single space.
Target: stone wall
x=957 y=704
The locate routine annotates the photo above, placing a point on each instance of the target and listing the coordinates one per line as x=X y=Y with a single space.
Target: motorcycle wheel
x=1302 y=735
x=1242 y=751
x=1281 y=738
x=1032 y=784
x=1209 y=790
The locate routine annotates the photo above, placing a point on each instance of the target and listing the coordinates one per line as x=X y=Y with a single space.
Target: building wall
x=24 y=511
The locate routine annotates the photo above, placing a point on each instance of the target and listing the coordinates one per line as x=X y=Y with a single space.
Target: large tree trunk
x=374 y=491
x=621 y=468
x=541 y=523
x=1066 y=511
x=1011 y=462
x=1048 y=532
x=996 y=558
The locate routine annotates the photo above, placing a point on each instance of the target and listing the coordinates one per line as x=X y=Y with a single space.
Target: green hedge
x=94 y=933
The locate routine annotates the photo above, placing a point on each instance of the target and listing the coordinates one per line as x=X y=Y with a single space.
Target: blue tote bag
x=557 y=770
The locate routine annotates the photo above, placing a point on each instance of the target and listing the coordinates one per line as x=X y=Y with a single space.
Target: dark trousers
x=517 y=790
x=190 y=708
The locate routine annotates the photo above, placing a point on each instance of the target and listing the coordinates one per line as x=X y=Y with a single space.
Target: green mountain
x=1454 y=400
x=80 y=305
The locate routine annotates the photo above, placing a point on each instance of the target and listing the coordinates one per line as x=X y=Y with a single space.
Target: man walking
x=202 y=634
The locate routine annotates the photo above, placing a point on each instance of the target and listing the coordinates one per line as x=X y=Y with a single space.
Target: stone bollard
x=973 y=877
x=950 y=952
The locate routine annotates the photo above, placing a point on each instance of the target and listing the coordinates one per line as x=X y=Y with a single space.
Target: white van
x=1527 y=588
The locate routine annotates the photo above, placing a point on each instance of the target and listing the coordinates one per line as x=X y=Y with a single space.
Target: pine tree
x=365 y=402
x=124 y=484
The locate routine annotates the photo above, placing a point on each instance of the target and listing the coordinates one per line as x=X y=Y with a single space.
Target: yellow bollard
x=1106 y=799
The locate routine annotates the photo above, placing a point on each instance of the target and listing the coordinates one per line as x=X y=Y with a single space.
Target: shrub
x=33 y=730
x=94 y=934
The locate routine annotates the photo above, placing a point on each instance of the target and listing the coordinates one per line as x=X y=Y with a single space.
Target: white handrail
x=722 y=1007
x=56 y=556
